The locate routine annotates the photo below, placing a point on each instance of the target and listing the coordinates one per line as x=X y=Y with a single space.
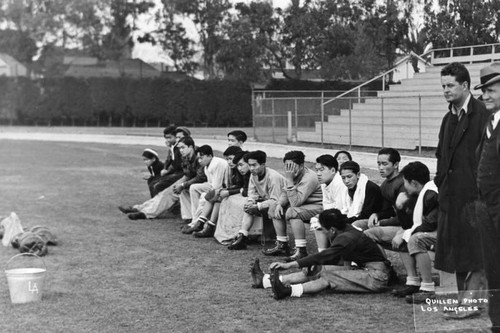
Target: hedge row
x=125 y=102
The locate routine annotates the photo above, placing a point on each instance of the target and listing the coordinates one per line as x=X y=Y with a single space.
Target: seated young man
x=360 y=197
x=217 y=172
x=325 y=269
x=192 y=173
x=418 y=234
x=209 y=214
x=264 y=189
x=300 y=200
x=236 y=138
x=388 y=165
x=331 y=188
x=154 y=165
x=172 y=167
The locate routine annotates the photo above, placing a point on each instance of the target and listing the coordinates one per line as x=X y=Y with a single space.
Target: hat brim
x=489 y=82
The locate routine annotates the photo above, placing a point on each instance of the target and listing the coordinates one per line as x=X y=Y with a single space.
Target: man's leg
x=361 y=224
x=282 y=248
x=297 y=217
x=418 y=245
x=240 y=243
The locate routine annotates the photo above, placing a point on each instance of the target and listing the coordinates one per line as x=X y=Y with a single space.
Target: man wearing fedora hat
x=458 y=249
x=488 y=180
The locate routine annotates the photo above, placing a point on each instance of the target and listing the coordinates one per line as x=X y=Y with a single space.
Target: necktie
x=489 y=126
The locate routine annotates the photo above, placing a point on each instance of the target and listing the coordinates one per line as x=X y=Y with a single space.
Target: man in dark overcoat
x=488 y=180
x=458 y=249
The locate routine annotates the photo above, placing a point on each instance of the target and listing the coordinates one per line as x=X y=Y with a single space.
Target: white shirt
x=217 y=172
x=332 y=193
x=496 y=119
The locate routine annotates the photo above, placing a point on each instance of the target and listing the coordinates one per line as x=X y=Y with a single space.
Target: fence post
x=273 y=122
x=382 y=121
x=350 y=123
x=296 y=120
x=289 y=133
x=322 y=116
x=253 y=115
x=419 y=125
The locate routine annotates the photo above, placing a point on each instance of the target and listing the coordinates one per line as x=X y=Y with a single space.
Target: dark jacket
x=458 y=247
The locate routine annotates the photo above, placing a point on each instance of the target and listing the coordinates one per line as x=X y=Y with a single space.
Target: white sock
x=412 y=281
x=282 y=238
x=297 y=290
x=210 y=222
x=320 y=249
x=300 y=243
x=244 y=232
x=427 y=286
x=266 y=281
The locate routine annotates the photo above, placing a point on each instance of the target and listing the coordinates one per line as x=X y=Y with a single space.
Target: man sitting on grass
x=264 y=189
x=172 y=167
x=217 y=173
x=418 y=236
x=326 y=269
x=332 y=187
x=300 y=200
x=192 y=173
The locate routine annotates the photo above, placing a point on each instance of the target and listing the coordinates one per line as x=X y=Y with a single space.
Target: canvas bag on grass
x=11 y=226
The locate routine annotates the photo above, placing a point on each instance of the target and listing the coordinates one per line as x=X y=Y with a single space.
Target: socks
x=266 y=281
x=427 y=286
x=300 y=243
x=282 y=239
x=412 y=281
x=244 y=232
x=297 y=290
x=211 y=223
x=320 y=249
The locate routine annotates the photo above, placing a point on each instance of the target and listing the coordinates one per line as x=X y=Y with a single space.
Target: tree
x=462 y=23
x=246 y=51
x=173 y=38
x=208 y=17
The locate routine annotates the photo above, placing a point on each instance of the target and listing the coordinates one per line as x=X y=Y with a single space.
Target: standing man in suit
x=488 y=180
x=458 y=249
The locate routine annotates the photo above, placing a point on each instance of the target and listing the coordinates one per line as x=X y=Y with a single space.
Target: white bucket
x=25 y=284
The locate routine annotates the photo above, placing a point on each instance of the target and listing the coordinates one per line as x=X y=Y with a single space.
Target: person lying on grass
x=325 y=270
x=210 y=209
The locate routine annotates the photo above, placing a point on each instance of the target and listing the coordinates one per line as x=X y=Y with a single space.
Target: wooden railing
x=464 y=54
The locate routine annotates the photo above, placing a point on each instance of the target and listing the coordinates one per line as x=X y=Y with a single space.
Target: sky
x=154 y=54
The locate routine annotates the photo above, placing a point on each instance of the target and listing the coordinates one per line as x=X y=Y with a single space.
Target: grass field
x=111 y=274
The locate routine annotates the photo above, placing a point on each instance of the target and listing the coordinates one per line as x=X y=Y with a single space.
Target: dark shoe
x=420 y=297
x=280 y=291
x=187 y=221
x=257 y=274
x=405 y=291
x=300 y=252
x=393 y=278
x=137 y=216
x=196 y=227
x=281 y=249
x=240 y=243
x=208 y=231
x=127 y=210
